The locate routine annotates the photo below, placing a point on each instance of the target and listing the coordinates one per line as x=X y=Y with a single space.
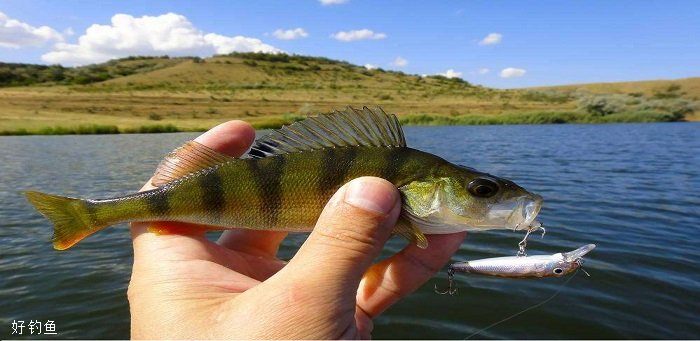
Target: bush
x=155 y=128
x=155 y=117
x=80 y=130
x=673 y=91
x=677 y=107
x=539 y=118
x=550 y=96
x=602 y=105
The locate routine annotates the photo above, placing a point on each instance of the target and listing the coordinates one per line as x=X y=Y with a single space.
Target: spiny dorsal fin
x=351 y=127
x=189 y=158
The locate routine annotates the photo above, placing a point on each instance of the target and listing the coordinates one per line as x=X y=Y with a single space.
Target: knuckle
x=352 y=228
x=132 y=294
x=346 y=238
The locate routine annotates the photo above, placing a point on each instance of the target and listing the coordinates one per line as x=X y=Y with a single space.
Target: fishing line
x=561 y=287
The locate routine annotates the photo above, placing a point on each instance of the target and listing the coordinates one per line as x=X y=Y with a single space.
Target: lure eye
x=558 y=271
x=483 y=188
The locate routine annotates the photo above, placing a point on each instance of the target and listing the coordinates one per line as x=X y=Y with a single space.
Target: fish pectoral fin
x=187 y=159
x=410 y=232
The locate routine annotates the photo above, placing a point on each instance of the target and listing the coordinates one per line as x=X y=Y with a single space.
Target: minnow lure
x=556 y=265
x=288 y=176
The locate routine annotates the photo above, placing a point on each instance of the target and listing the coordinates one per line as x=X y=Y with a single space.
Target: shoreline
x=408 y=120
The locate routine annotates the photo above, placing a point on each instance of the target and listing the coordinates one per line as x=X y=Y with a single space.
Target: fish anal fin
x=175 y=227
x=187 y=159
x=410 y=232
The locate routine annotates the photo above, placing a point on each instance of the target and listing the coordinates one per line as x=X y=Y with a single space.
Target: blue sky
x=531 y=43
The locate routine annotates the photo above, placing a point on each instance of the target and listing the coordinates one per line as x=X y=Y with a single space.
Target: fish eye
x=558 y=271
x=483 y=187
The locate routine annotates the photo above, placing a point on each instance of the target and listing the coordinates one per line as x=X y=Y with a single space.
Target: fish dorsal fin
x=350 y=127
x=187 y=159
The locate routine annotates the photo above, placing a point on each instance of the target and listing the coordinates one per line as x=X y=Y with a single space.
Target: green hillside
x=165 y=94
x=685 y=87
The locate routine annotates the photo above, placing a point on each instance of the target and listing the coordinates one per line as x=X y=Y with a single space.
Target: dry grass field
x=195 y=94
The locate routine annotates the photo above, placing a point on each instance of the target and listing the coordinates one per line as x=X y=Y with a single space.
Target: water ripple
x=632 y=189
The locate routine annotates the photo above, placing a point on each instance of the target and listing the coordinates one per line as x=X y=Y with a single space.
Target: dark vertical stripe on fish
x=335 y=166
x=213 y=193
x=157 y=202
x=394 y=160
x=267 y=174
x=90 y=208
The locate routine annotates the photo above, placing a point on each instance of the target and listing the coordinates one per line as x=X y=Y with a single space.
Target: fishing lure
x=555 y=265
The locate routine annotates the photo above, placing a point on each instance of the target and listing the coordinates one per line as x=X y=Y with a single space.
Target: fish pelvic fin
x=69 y=216
x=410 y=232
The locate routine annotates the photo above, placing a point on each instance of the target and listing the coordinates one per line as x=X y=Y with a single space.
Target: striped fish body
x=284 y=192
x=288 y=176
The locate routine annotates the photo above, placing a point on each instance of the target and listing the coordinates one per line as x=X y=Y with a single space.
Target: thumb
x=349 y=234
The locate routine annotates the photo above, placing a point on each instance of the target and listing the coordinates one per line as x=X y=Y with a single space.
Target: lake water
x=632 y=189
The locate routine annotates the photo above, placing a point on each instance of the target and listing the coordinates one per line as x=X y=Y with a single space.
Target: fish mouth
x=523 y=211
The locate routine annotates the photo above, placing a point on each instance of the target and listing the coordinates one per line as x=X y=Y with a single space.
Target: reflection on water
x=632 y=189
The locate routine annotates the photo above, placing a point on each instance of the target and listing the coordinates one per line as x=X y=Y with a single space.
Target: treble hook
x=523 y=243
x=450 y=284
x=580 y=267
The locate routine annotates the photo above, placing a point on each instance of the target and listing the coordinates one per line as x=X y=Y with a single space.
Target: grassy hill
x=685 y=87
x=143 y=94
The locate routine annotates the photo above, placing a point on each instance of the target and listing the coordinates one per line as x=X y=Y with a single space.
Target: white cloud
x=400 y=62
x=450 y=73
x=511 y=72
x=491 y=39
x=483 y=71
x=16 y=34
x=362 y=34
x=225 y=44
x=290 y=34
x=170 y=34
x=370 y=67
x=332 y=2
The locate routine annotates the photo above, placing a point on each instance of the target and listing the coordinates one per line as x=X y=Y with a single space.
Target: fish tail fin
x=70 y=217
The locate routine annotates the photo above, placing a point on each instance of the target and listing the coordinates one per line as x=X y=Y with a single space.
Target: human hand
x=185 y=286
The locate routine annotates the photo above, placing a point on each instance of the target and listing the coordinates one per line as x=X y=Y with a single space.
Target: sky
x=503 y=44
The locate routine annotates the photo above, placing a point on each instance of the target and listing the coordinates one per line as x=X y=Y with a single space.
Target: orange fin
x=174 y=227
x=410 y=232
x=187 y=159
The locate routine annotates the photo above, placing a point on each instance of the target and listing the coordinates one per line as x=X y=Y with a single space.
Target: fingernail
x=371 y=194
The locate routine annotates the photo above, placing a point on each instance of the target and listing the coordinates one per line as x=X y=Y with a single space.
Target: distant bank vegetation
x=96 y=129
x=144 y=94
x=17 y=74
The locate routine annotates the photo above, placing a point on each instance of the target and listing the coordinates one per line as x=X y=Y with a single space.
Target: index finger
x=399 y=275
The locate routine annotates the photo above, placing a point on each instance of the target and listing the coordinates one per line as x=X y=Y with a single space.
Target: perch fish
x=285 y=180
